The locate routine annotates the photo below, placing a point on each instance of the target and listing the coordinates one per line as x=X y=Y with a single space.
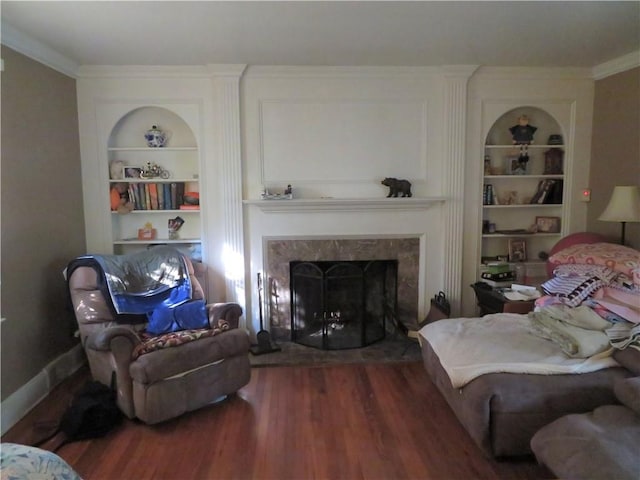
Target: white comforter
x=503 y=342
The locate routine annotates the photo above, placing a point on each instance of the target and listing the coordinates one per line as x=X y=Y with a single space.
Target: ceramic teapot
x=156 y=137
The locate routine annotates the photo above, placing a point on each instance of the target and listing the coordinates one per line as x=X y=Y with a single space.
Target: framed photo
x=131 y=172
x=553 y=159
x=515 y=165
x=517 y=250
x=548 y=224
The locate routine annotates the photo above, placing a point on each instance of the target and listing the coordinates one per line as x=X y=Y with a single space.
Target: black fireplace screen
x=342 y=304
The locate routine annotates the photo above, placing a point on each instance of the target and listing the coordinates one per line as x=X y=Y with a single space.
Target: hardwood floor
x=366 y=421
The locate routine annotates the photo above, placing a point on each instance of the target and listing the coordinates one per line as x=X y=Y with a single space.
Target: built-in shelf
x=517 y=147
x=344 y=204
x=145 y=212
x=523 y=235
x=525 y=205
x=522 y=177
x=135 y=241
x=150 y=149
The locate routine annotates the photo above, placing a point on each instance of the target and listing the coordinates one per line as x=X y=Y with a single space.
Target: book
x=488 y=196
x=174 y=196
x=132 y=195
x=153 y=195
x=140 y=196
x=160 y=189
x=189 y=207
x=503 y=276
x=147 y=197
x=498 y=284
x=179 y=194
x=546 y=188
x=555 y=193
x=167 y=196
x=498 y=267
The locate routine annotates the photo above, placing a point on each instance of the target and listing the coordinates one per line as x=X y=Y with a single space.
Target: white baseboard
x=19 y=403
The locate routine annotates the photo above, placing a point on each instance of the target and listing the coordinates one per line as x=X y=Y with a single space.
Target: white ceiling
x=509 y=33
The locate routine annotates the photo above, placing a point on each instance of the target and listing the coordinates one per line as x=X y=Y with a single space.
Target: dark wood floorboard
x=350 y=422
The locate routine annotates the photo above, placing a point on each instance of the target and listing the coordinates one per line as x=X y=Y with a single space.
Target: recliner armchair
x=166 y=382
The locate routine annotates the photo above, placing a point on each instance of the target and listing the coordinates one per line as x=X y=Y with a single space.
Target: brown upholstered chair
x=167 y=382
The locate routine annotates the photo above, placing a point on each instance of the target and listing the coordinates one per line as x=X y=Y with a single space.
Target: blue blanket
x=140 y=282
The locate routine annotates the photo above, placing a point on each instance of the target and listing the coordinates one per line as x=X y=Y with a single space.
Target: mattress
x=502 y=411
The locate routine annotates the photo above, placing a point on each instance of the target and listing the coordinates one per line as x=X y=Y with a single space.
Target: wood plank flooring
x=365 y=421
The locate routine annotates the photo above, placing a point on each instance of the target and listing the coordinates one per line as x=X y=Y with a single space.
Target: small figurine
x=522 y=134
x=153 y=170
x=397 y=187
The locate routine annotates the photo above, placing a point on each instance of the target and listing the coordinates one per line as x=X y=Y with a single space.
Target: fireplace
x=342 y=304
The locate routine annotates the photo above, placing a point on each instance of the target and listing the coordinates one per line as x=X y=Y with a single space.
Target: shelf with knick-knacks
x=154 y=185
x=523 y=180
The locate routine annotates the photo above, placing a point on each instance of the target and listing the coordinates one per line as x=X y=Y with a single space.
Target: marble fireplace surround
x=279 y=252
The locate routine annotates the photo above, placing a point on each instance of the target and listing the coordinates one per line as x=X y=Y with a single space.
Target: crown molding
x=143 y=71
x=38 y=51
x=617 y=65
x=327 y=71
x=534 y=72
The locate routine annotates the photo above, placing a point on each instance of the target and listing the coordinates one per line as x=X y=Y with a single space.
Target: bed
x=503 y=407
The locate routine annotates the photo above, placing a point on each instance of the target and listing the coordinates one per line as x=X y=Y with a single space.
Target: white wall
x=336 y=132
x=339 y=132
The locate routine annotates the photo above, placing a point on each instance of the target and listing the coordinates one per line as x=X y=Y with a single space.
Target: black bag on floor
x=92 y=413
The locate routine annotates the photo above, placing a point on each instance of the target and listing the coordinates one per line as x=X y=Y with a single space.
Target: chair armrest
x=229 y=311
x=102 y=339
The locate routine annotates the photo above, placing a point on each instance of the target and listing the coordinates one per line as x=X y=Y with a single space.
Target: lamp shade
x=624 y=205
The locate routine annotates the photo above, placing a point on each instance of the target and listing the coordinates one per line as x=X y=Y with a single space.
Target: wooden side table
x=492 y=301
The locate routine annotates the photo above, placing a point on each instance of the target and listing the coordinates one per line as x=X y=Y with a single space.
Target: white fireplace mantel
x=344 y=204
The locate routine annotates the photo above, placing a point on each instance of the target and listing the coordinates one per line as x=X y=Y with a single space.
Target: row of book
x=549 y=191
x=488 y=195
x=159 y=196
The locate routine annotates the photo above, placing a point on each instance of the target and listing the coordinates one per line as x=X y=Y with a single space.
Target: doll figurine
x=522 y=133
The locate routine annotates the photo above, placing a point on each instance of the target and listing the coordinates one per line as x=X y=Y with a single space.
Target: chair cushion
x=167 y=362
x=151 y=343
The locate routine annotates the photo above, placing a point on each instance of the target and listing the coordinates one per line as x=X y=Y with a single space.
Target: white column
x=226 y=84
x=455 y=120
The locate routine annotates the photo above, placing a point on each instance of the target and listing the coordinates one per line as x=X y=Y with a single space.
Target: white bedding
x=502 y=342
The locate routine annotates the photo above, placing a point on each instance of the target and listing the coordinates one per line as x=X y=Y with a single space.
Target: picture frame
x=131 y=172
x=553 y=161
x=548 y=224
x=515 y=166
x=517 y=250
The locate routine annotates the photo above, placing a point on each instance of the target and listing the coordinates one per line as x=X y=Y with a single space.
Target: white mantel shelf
x=344 y=204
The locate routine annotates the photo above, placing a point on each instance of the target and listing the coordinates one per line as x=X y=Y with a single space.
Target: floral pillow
x=616 y=257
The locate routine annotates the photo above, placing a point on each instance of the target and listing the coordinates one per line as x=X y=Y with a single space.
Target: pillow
x=576 y=270
x=185 y=316
x=616 y=257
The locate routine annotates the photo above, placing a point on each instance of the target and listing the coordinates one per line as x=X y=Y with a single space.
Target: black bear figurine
x=397 y=187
